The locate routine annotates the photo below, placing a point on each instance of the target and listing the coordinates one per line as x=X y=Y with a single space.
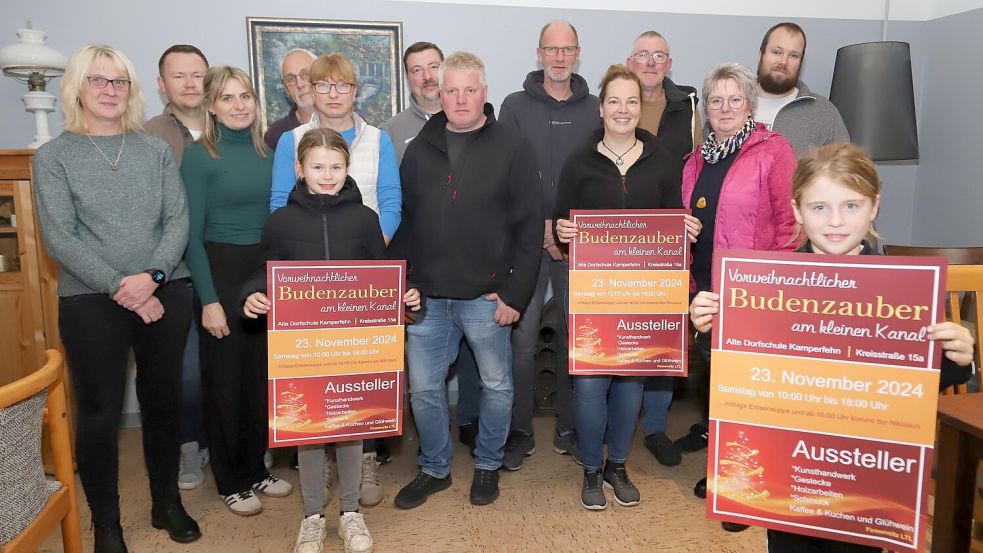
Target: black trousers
x=98 y=335
x=785 y=542
x=233 y=375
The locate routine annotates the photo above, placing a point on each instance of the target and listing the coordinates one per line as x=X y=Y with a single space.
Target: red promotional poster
x=823 y=394
x=629 y=292
x=335 y=350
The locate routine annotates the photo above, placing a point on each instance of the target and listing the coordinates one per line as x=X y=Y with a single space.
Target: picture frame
x=375 y=48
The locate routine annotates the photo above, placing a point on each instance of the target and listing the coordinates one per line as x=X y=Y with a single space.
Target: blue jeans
x=432 y=344
x=525 y=342
x=606 y=410
x=655 y=403
x=468 y=386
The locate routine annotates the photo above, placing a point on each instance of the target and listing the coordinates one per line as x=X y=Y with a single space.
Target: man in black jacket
x=471 y=234
x=556 y=112
x=669 y=112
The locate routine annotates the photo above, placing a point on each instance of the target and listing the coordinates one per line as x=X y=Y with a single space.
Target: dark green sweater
x=228 y=200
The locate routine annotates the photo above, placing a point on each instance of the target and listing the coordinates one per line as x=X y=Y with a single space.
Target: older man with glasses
x=668 y=111
x=562 y=98
x=297 y=82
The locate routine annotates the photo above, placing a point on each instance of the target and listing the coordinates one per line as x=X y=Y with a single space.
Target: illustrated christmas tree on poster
x=739 y=475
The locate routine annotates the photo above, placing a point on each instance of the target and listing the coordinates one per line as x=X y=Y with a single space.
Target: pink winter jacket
x=755 y=207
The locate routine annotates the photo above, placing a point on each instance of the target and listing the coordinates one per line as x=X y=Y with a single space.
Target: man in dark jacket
x=296 y=82
x=556 y=113
x=472 y=236
x=669 y=112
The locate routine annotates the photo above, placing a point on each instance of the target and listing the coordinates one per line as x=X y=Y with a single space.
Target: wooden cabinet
x=28 y=277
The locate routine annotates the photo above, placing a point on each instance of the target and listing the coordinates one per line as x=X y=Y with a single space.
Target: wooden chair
x=956 y=256
x=968 y=281
x=62 y=506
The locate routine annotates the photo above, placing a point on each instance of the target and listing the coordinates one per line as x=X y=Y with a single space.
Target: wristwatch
x=157 y=275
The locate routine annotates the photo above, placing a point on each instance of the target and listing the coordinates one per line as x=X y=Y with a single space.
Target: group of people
x=162 y=223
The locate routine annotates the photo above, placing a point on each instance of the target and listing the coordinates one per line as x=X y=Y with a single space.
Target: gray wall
x=950 y=176
x=505 y=37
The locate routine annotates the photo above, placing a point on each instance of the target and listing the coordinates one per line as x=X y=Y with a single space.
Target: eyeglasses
x=657 y=57
x=554 y=50
x=101 y=82
x=291 y=79
x=735 y=102
x=322 y=87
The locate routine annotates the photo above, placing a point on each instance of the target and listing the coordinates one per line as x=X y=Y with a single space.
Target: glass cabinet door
x=9 y=251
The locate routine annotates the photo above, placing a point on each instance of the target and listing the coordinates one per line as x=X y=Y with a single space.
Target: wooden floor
x=539 y=509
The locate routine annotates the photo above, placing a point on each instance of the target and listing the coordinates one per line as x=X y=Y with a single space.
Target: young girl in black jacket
x=835 y=195
x=324 y=219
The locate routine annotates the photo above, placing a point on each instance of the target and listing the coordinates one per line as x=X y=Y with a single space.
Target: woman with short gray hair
x=739 y=185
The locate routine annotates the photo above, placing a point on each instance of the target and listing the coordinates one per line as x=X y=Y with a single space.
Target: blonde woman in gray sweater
x=113 y=214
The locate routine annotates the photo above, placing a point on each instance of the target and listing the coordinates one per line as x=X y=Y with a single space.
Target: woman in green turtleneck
x=228 y=175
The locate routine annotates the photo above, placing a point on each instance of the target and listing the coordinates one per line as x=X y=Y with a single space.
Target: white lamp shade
x=30 y=55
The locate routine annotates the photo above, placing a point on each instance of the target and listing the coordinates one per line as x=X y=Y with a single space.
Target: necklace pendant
x=114 y=166
x=619 y=162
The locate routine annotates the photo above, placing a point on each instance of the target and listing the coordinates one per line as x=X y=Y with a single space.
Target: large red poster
x=335 y=350
x=823 y=394
x=629 y=293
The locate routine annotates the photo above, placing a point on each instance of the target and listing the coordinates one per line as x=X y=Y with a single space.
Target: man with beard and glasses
x=785 y=105
x=556 y=113
x=421 y=62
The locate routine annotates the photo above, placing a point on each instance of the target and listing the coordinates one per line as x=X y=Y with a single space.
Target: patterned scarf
x=713 y=151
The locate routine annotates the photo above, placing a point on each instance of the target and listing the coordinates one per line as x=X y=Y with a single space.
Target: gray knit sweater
x=102 y=225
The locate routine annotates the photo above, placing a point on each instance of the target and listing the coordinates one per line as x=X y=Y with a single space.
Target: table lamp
x=31 y=62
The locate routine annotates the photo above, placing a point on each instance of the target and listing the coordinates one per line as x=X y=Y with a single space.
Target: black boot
x=700 y=489
x=734 y=526
x=109 y=538
x=173 y=518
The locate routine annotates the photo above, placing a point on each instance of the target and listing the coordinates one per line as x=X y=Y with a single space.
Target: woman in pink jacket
x=739 y=185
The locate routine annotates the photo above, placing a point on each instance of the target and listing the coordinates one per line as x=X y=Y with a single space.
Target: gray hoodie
x=404 y=126
x=810 y=121
x=554 y=128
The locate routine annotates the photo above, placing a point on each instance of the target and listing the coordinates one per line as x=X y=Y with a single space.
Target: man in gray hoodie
x=806 y=119
x=421 y=62
x=556 y=113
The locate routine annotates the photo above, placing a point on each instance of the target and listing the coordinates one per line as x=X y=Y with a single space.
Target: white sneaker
x=268 y=459
x=190 y=474
x=372 y=490
x=330 y=472
x=244 y=503
x=310 y=539
x=351 y=529
x=273 y=487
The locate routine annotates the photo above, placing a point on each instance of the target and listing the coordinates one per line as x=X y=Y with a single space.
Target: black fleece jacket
x=590 y=180
x=475 y=228
x=318 y=227
x=555 y=129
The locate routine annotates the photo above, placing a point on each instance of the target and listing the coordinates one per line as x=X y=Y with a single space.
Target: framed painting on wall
x=374 y=48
